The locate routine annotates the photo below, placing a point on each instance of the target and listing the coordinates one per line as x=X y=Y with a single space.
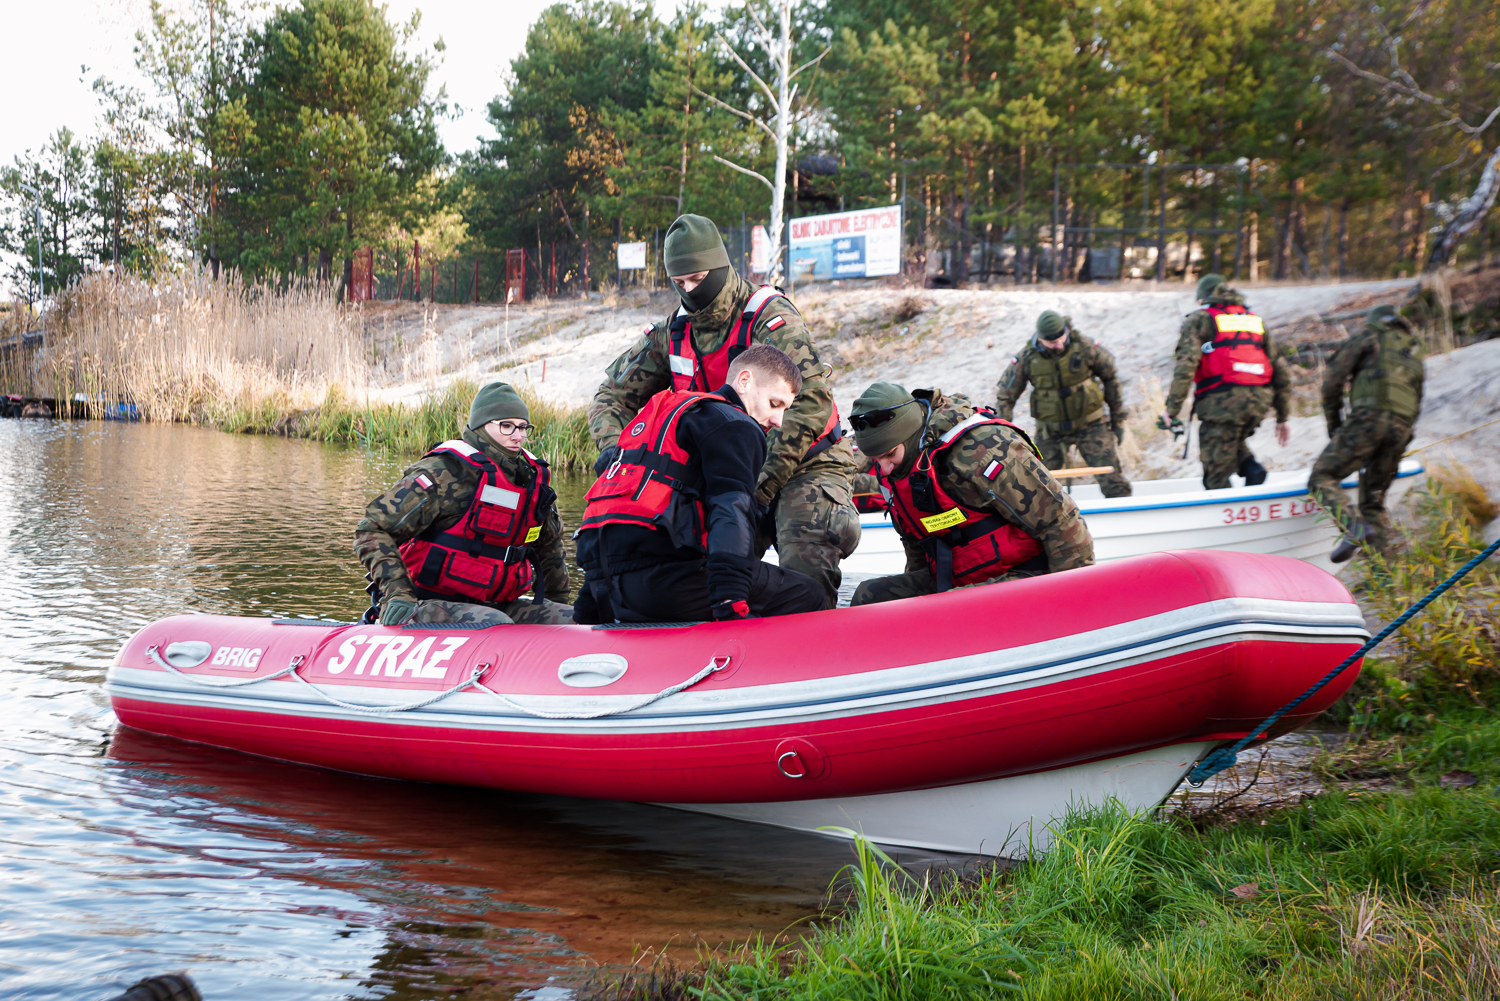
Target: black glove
x=397 y=610
x=606 y=457
x=726 y=610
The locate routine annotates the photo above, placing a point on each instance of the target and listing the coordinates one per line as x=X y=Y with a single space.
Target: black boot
x=1253 y=472
x=1350 y=543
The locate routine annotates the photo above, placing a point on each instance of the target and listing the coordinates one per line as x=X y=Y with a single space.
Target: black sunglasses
x=875 y=418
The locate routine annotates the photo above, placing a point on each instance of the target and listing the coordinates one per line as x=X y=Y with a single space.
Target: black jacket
x=726 y=449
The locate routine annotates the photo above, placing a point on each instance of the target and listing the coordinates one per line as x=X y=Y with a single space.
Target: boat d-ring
x=781 y=764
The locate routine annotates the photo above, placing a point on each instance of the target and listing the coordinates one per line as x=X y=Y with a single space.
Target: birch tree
x=775 y=119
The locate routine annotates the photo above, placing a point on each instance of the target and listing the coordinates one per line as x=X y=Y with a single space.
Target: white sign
x=862 y=244
x=760 y=250
x=632 y=256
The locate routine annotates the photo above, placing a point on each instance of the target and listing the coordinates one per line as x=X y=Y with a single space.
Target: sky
x=50 y=41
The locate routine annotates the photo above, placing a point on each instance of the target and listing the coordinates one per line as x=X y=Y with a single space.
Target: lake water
x=124 y=855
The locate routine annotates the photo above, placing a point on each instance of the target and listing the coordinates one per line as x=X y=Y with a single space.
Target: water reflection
x=124 y=854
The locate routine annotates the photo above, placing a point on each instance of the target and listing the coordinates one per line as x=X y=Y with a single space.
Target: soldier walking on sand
x=470 y=528
x=1384 y=360
x=807 y=509
x=1225 y=355
x=1073 y=380
x=971 y=500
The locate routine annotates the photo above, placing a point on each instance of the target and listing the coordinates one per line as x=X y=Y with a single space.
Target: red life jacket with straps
x=645 y=485
x=963 y=546
x=693 y=370
x=487 y=556
x=1237 y=354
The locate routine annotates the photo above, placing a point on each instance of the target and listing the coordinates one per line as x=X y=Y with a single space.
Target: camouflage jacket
x=1360 y=354
x=1023 y=493
x=1227 y=405
x=1017 y=375
x=643 y=370
x=407 y=510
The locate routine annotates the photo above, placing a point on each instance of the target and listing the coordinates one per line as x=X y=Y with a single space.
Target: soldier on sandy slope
x=804 y=485
x=1073 y=380
x=967 y=492
x=1226 y=356
x=1385 y=362
x=470 y=528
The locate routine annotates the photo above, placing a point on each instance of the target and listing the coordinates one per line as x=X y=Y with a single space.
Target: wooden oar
x=1067 y=474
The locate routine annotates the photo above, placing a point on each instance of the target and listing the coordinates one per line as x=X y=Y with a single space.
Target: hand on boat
x=726 y=610
x=1119 y=430
x=397 y=611
x=1283 y=434
x=1169 y=423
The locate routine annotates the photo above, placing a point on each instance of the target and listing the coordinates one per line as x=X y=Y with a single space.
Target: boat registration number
x=1269 y=512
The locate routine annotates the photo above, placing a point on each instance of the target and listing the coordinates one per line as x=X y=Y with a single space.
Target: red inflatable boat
x=949 y=722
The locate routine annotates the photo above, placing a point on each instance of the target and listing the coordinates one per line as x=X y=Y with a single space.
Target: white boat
x=1275 y=517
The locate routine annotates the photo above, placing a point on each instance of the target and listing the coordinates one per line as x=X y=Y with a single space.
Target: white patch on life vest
x=776 y=322
x=423 y=481
x=1254 y=368
x=963 y=426
x=762 y=295
x=993 y=469
x=460 y=446
x=680 y=365
x=499 y=496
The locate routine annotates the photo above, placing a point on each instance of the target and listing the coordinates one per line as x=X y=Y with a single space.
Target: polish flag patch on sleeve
x=423 y=481
x=993 y=469
x=775 y=322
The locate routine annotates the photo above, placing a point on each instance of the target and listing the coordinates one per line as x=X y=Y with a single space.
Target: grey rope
x=1224 y=757
x=713 y=666
x=473 y=680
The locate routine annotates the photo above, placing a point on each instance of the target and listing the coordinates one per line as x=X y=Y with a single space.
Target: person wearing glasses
x=470 y=529
x=967 y=492
x=803 y=490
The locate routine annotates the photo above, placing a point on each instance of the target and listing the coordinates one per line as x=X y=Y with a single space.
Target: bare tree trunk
x=1252 y=247
x=1343 y=238
x=1470 y=213
x=1419 y=238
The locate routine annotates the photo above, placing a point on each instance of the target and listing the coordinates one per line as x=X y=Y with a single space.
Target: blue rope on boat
x=1225 y=757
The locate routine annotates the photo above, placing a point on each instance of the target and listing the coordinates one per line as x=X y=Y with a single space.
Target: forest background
x=276 y=141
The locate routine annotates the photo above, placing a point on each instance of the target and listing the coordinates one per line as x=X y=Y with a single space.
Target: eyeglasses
x=875 y=418
x=508 y=428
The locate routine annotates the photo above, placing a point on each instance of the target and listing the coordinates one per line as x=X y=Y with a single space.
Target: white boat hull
x=1008 y=817
x=1276 y=517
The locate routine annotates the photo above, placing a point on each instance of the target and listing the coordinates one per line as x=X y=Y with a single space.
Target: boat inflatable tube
x=962 y=721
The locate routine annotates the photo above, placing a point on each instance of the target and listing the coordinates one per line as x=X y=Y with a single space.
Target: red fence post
x=416 y=270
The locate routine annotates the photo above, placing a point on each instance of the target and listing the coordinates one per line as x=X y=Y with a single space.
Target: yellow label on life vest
x=938 y=522
x=533 y=533
x=1239 y=323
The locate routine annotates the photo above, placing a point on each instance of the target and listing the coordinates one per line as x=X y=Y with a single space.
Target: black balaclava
x=706 y=292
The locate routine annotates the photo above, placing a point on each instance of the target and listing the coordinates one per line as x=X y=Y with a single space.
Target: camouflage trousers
x=816 y=526
x=1096 y=446
x=915 y=584
x=1222 y=448
x=548 y=613
x=1370 y=441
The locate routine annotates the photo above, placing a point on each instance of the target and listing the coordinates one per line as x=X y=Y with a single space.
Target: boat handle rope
x=1221 y=758
x=712 y=667
x=477 y=673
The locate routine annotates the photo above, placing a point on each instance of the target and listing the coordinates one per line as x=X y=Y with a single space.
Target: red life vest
x=645 y=485
x=692 y=370
x=1237 y=354
x=963 y=546
x=486 y=555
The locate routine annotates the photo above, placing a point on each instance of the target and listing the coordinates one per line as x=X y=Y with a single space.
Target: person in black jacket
x=668 y=533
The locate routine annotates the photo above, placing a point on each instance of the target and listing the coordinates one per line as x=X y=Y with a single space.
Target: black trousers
x=678 y=592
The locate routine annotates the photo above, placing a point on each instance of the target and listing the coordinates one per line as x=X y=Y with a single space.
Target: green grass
x=562 y=435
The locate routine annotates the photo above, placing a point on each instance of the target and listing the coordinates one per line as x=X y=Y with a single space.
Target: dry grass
x=192 y=348
x=1469 y=492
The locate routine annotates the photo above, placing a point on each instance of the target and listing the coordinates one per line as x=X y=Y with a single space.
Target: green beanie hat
x=1382 y=313
x=497 y=402
x=906 y=424
x=1208 y=285
x=693 y=244
x=1050 y=324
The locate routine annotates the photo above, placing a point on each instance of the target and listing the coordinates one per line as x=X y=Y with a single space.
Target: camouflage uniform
x=407 y=510
x=815 y=523
x=1094 y=439
x=1024 y=494
x=1373 y=437
x=1229 y=416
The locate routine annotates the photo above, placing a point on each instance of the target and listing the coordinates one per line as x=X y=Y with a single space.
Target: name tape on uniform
x=938 y=522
